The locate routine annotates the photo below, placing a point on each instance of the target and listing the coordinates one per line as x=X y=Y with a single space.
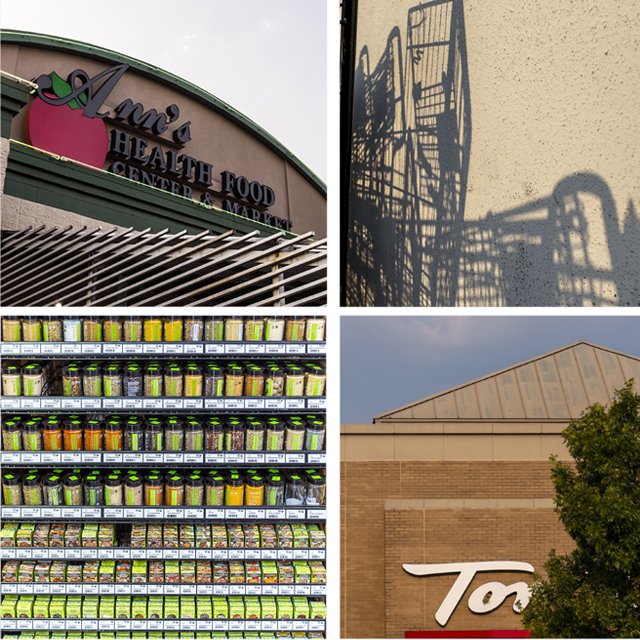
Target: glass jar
x=92 y=329
x=152 y=329
x=274 y=329
x=315 y=329
x=32 y=436
x=93 y=491
x=11 y=436
x=153 y=490
x=193 y=491
x=316 y=379
x=51 y=329
x=275 y=436
x=72 y=435
x=173 y=383
x=214 y=436
x=11 y=490
x=153 y=437
x=72 y=329
x=235 y=437
x=233 y=329
x=11 y=329
x=314 y=438
x=32 y=490
x=52 y=435
x=132 y=385
x=113 y=436
x=113 y=490
x=71 y=380
x=234 y=491
x=52 y=490
x=254 y=491
x=173 y=329
x=273 y=382
x=133 y=437
x=254 y=328
x=31 y=329
x=174 y=436
x=274 y=490
x=92 y=381
x=295 y=436
x=133 y=491
x=112 y=381
x=214 y=329
x=214 y=491
x=32 y=380
x=193 y=329
x=296 y=491
x=316 y=490
x=193 y=436
x=192 y=381
x=294 y=381
x=93 y=435
x=133 y=329
x=254 y=438
x=295 y=329
x=112 y=329
x=174 y=491
x=213 y=381
x=11 y=381
x=254 y=381
x=72 y=487
x=234 y=381
x=153 y=381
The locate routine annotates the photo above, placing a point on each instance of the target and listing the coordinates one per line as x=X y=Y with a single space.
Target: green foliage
x=594 y=592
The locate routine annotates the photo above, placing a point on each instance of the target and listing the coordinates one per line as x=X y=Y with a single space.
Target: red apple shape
x=67 y=132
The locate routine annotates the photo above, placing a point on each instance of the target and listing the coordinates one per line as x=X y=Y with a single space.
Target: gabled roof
x=555 y=386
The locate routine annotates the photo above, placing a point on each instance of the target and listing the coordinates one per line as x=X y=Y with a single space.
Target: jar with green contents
x=254 y=436
x=112 y=380
x=92 y=381
x=274 y=329
x=93 y=435
x=213 y=381
x=11 y=329
x=153 y=436
x=273 y=382
x=112 y=328
x=193 y=329
x=31 y=329
x=51 y=329
x=52 y=490
x=234 y=491
x=72 y=487
x=315 y=329
x=11 y=380
x=32 y=435
x=192 y=381
x=233 y=327
x=314 y=437
x=72 y=435
x=295 y=329
x=254 y=328
x=274 y=490
x=294 y=381
x=113 y=490
x=153 y=377
x=133 y=491
x=92 y=329
x=275 y=436
x=152 y=329
x=11 y=436
x=72 y=329
x=295 y=436
x=234 y=384
x=193 y=491
x=32 y=379
x=214 y=490
x=254 y=491
x=173 y=328
x=153 y=490
x=12 y=490
x=235 y=436
x=132 y=329
x=93 y=491
x=214 y=329
x=173 y=381
x=132 y=382
x=32 y=490
x=316 y=380
x=174 y=491
x=174 y=436
x=133 y=437
x=254 y=381
x=214 y=436
x=193 y=436
x=71 y=380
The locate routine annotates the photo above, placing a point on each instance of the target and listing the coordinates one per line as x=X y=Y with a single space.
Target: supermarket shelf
x=94 y=405
x=144 y=589
x=186 y=458
x=301 y=513
x=162 y=349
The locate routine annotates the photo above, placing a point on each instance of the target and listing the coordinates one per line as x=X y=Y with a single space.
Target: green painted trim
x=14 y=96
x=172 y=81
x=38 y=177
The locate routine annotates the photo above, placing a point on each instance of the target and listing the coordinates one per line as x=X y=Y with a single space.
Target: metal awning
x=71 y=266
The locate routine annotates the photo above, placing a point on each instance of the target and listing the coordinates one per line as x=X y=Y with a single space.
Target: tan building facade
x=462 y=477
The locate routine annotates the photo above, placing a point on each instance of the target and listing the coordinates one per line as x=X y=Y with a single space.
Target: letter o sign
x=255 y=192
x=499 y=592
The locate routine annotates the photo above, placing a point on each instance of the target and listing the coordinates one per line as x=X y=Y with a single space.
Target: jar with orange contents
x=52 y=435
x=113 y=435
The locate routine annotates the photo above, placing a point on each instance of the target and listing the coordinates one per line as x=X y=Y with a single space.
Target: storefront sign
x=478 y=601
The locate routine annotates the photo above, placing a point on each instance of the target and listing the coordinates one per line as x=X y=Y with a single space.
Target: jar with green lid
x=32 y=490
x=174 y=436
x=31 y=329
x=192 y=381
x=112 y=380
x=153 y=381
x=193 y=436
x=93 y=435
x=234 y=384
x=52 y=490
x=32 y=379
x=72 y=487
x=92 y=381
x=254 y=436
x=71 y=380
x=132 y=381
x=11 y=380
x=214 y=436
x=295 y=491
x=113 y=490
x=93 y=491
x=295 y=436
x=315 y=329
x=193 y=329
x=173 y=381
x=132 y=326
x=174 y=491
x=254 y=328
x=316 y=379
x=72 y=329
x=214 y=329
x=152 y=329
x=274 y=329
x=254 y=491
x=274 y=490
x=254 y=381
x=193 y=490
x=11 y=436
x=153 y=436
x=112 y=328
x=295 y=329
x=213 y=381
x=234 y=491
x=52 y=329
x=173 y=328
x=233 y=327
x=153 y=490
x=274 y=440
x=133 y=437
x=235 y=436
x=314 y=437
x=273 y=382
x=92 y=329
x=294 y=381
x=214 y=490
x=11 y=329
x=316 y=490
x=72 y=435
x=133 y=491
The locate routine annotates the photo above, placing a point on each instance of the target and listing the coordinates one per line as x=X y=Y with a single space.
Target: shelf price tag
x=155 y=589
x=255 y=514
x=155 y=625
x=317 y=458
x=269 y=625
x=152 y=348
x=9 y=554
x=252 y=625
x=214 y=403
x=106 y=589
x=123 y=589
x=274 y=403
x=286 y=589
x=269 y=554
x=172 y=589
x=214 y=458
x=295 y=458
x=317 y=403
x=188 y=590
x=194 y=347
x=171 y=554
x=25 y=589
x=193 y=403
x=30 y=458
x=274 y=458
x=152 y=403
x=187 y=625
x=112 y=403
x=9 y=588
x=236 y=554
x=113 y=513
x=205 y=589
x=215 y=514
x=153 y=458
x=276 y=514
x=235 y=514
x=234 y=403
x=139 y=625
x=302 y=589
x=172 y=403
x=316 y=625
x=270 y=589
x=23 y=554
x=92 y=513
x=139 y=589
x=56 y=554
x=153 y=513
x=89 y=554
x=91 y=458
x=187 y=554
x=254 y=458
x=107 y=625
x=30 y=512
x=254 y=403
x=123 y=625
x=220 y=554
x=122 y=554
x=204 y=625
x=253 y=590
x=316 y=348
x=317 y=514
x=275 y=348
x=234 y=458
x=138 y=554
x=236 y=625
x=74 y=589
x=285 y=625
x=252 y=554
x=173 y=513
x=105 y=554
x=155 y=554
x=57 y=625
x=11 y=458
x=112 y=348
x=220 y=625
x=220 y=589
x=51 y=458
x=58 y=589
x=10 y=512
x=233 y=348
x=173 y=458
x=134 y=513
x=300 y=625
x=132 y=458
x=41 y=589
x=91 y=347
x=50 y=403
x=301 y=554
x=193 y=458
x=285 y=554
x=318 y=589
x=204 y=554
x=10 y=348
x=75 y=512
x=214 y=347
x=90 y=625
x=295 y=403
x=71 y=458
x=316 y=554
x=172 y=625
x=132 y=403
x=71 y=403
x=10 y=403
x=256 y=348
x=113 y=458
x=30 y=348
x=173 y=348
x=194 y=513
x=30 y=403
x=296 y=348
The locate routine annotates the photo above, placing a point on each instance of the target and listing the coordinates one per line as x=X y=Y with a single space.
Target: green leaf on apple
x=62 y=89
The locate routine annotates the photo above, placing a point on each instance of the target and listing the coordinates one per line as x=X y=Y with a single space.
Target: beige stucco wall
x=553 y=194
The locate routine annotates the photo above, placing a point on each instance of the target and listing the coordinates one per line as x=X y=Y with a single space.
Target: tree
x=594 y=592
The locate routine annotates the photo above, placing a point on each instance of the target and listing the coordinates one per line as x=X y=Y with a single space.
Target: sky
x=390 y=361
x=267 y=59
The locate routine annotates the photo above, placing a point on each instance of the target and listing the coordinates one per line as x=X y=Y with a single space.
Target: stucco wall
x=525 y=189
